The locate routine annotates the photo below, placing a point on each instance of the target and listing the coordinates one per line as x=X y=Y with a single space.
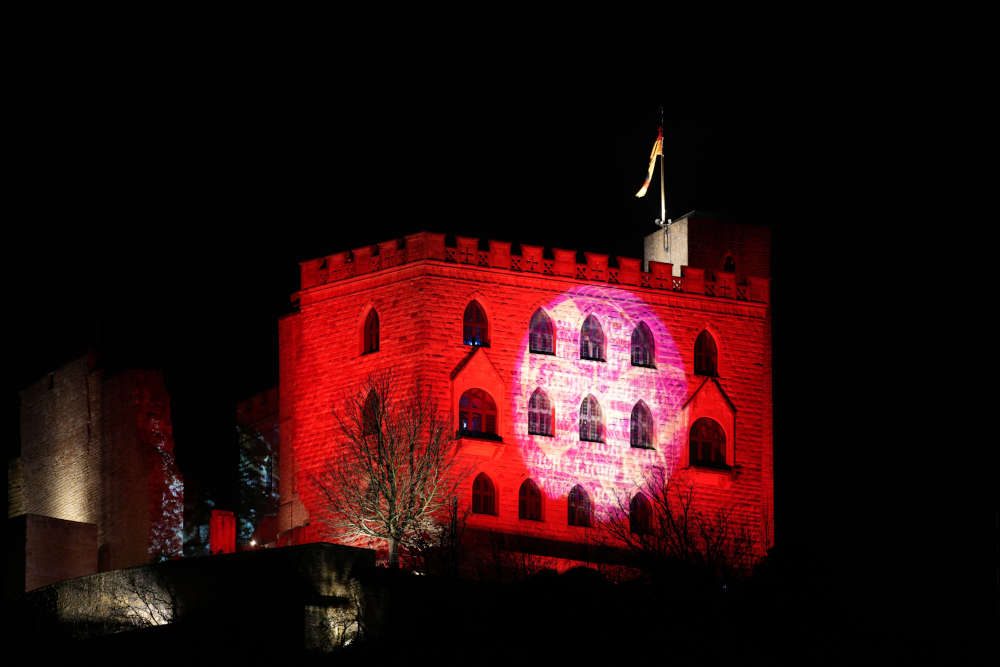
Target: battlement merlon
x=532 y=259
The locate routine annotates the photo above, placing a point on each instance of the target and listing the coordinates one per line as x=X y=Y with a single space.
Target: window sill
x=475 y=435
x=648 y=448
x=544 y=435
x=722 y=478
x=603 y=361
x=478 y=446
x=719 y=470
x=635 y=365
x=547 y=354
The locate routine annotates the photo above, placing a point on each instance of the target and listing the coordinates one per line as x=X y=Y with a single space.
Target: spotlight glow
x=612 y=469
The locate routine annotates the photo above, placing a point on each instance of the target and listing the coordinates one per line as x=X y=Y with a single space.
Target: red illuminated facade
x=564 y=381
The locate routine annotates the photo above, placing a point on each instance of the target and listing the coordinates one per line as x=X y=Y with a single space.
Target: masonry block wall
x=61 y=444
x=98 y=450
x=420 y=289
x=711 y=241
x=712 y=245
x=51 y=550
x=143 y=501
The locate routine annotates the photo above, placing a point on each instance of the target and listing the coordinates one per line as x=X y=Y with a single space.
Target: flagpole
x=663 y=196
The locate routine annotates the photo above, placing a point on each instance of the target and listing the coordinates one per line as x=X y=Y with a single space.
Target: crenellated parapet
x=531 y=259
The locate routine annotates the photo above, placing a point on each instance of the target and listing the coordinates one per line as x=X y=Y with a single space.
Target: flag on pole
x=657 y=150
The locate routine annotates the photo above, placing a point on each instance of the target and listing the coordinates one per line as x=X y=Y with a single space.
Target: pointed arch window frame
x=640 y=515
x=529 y=501
x=641 y=426
x=481 y=420
x=708 y=445
x=579 y=508
x=541 y=333
x=371 y=333
x=484 y=495
x=706 y=355
x=541 y=418
x=642 y=350
x=593 y=342
x=591 y=422
x=475 y=325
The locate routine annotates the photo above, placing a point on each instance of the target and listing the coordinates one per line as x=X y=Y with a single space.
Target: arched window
x=643 y=347
x=540 y=414
x=578 y=513
x=541 y=339
x=708 y=444
x=370 y=414
x=529 y=501
x=706 y=356
x=484 y=495
x=475 y=328
x=592 y=340
x=591 y=422
x=640 y=515
x=641 y=426
x=371 y=332
x=477 y=414
x=729 y=265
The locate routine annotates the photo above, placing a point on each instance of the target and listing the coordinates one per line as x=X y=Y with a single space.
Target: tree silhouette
x=389 y=478
x=669 y=525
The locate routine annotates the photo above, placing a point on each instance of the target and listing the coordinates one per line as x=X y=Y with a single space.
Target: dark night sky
x=161 y=208
x=164 y=220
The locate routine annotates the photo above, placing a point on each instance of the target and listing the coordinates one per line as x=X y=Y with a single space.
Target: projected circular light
x=611 y=469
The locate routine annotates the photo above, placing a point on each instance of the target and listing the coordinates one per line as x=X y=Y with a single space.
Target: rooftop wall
x=530 y=259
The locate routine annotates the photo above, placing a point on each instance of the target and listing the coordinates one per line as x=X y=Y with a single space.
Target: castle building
x=95 y=486
x=565 y=381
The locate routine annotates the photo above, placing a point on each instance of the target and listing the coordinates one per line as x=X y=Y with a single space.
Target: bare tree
x=390 y=478
x=141 y=598
x=674 y=527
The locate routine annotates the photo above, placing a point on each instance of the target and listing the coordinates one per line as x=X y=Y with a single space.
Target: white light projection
x=612 y=469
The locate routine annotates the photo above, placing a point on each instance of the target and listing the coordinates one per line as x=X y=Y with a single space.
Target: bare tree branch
x=681 y=529
x=389 y=479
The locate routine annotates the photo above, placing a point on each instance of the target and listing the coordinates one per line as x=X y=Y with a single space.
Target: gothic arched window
x=529 y=501
x=641 y=426
x=371 y=335
x=592 y=340
x=706 y=355
x=708 y=444
x=643 y=347
x=591 y=421
x=541 y=338
x=640 y=515
x=540 y=417
x=477 y=414
x=475 y=328
x=579 y=509
x=370 y=414
x=484 y=495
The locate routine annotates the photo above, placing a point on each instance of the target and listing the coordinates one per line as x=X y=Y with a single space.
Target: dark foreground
x=783 y=614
